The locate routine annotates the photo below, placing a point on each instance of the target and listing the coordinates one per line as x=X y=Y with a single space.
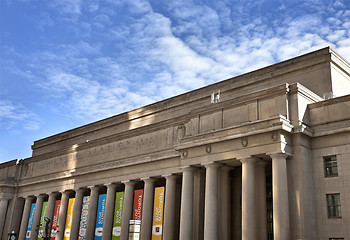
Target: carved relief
x=208 y=149
x=25 y=170
x=245 y=142
x=185 y=153
x=274 y=137
x=181 y=131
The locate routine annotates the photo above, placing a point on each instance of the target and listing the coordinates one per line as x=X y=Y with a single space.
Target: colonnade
x=216 y=205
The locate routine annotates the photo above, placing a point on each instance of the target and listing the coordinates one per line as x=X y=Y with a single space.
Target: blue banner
x=30 y=222
x=100 y=216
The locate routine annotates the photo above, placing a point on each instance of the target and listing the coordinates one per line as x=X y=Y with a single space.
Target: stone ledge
x=246 y=129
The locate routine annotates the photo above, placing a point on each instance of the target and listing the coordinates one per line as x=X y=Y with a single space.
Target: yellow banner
x=157 y=226
x=69 y=219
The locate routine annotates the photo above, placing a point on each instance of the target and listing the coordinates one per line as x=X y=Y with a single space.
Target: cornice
x=231 y=84
x=247 y=129
x=100 y=167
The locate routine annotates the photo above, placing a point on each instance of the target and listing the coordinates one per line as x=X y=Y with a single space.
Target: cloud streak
x=137 y=52
x=16 y=116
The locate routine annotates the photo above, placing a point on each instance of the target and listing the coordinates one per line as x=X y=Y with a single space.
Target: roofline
x=191 y=95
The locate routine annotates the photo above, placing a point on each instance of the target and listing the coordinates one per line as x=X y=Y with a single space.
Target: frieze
x=52 y=165
x=147 y=143
x=139 y=145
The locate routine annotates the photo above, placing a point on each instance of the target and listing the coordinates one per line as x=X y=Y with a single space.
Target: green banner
x=42 y=220
x=118 y=212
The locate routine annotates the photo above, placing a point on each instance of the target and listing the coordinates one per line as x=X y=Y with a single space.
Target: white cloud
x=69 y=7
x=16 y=116
x=336 y=35
x=150 y=55
x=45 y=21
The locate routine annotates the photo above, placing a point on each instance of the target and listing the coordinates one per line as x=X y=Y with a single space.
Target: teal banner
x=30 y=222
x=100 y=216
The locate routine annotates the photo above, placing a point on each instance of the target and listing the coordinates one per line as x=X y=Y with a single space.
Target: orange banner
x=138 y=200
x=69 y=219
x=157 y=226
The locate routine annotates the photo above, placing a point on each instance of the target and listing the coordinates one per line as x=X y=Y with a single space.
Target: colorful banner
x=118 y=214
x=56 y=213
x=100 y=216
x=157 y=226
x=30 y=221
x=138 y=199
x=69 y=219
x=83 y=218
x=42 y=222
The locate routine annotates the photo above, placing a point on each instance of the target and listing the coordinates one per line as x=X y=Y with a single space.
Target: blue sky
x=66 y=63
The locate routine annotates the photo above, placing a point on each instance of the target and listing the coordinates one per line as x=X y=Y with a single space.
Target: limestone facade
x=265 y=155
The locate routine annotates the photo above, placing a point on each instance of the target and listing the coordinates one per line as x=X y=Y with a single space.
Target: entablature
x=256 y=138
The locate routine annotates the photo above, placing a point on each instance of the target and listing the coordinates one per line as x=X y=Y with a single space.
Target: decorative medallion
x=185 y=153
x=208 y=149
x=181 y=131
x=245 y=142
x=274 y=137
x=25 y=169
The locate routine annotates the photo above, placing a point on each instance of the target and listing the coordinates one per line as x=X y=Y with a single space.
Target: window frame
x=332 y=207
x=327 y=164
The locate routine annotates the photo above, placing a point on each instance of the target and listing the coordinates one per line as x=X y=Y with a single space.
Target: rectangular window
x=333 y=205
x=336 y=238
x=330 y=166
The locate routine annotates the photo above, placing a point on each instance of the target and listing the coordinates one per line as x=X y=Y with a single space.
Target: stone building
x=265 y=155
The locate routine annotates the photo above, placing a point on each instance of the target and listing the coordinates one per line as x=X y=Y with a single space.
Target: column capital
x=66 y=192
x=30 y=197
x=5 y=198
x=129 y=182
x=279 y=155
x=111 y=185
x=148 y=179
x=53 y=194
x=211 y=165
x=94 y=187
x=187 y=168
x=79 y=190
x=250 y=159
x=41 y=195
x=170 y=176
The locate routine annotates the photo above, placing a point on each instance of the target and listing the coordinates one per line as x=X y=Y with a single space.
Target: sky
x=66 y=63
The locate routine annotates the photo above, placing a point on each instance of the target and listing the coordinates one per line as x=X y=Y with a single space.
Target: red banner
x=138 y=200
x=55 y=219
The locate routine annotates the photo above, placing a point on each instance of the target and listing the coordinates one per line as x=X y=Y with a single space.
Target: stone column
x=13 y=216
x=37 y=215
x=186 y=212
x=3 y=209
x=79 y=194
x=92 y=212
x=25 y=218
x=109 y=212
x=280 y=197
x=62 y=215
x=211 y=202
x=248 y=199
x=127 y=209
x=261 y=211
x=51 y=205
x=169 y=207
x=224 y=203
x=147 y=209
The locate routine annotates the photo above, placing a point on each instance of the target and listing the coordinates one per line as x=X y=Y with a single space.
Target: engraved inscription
x=134 y=146
x=138 y=145
x=52 y=165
